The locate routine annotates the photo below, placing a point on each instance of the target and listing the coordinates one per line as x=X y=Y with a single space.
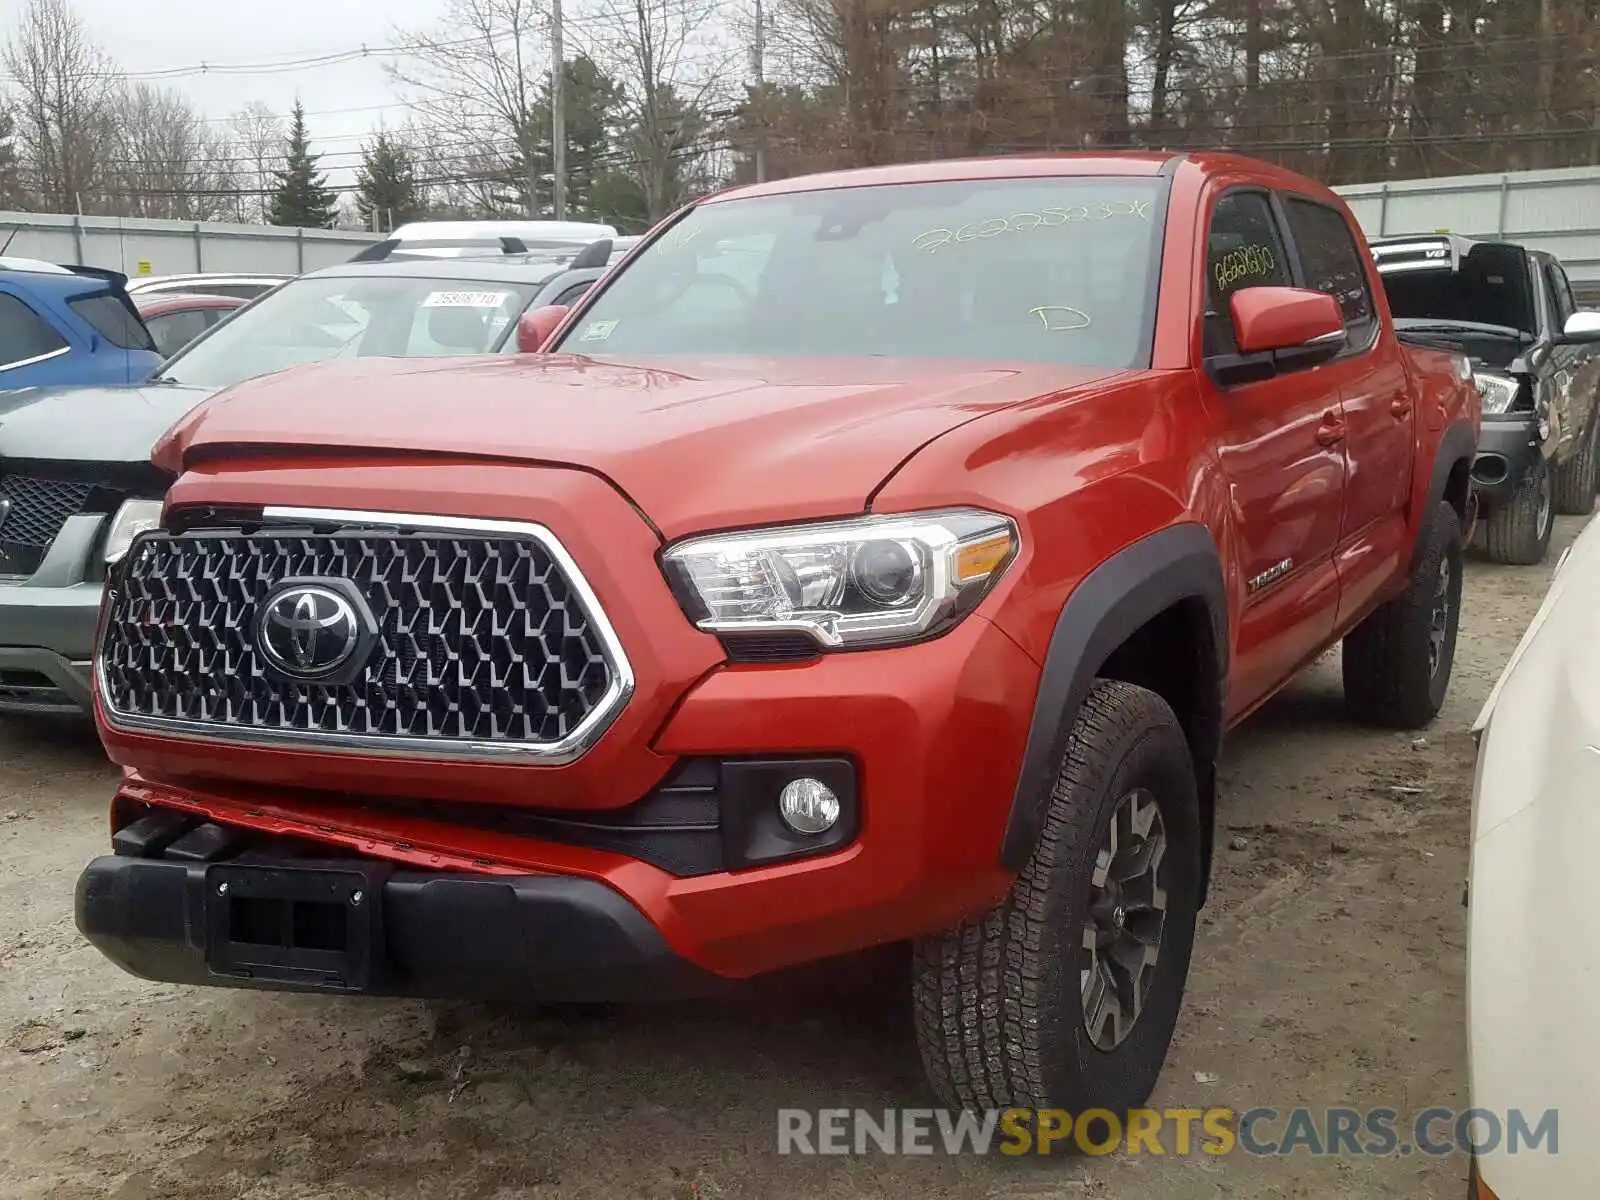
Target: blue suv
x=71 y=326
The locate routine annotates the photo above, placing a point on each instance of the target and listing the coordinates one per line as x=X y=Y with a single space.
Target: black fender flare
x=1116 y=599
x=1457 y=444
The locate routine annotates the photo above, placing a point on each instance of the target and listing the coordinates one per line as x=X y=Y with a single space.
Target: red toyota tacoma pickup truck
x=871 y=557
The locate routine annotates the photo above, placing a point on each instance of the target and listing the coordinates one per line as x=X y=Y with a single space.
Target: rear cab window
x=25 y=335
x=114 y=319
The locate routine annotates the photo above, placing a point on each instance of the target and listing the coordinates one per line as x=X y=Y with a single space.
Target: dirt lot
x=1328 y=972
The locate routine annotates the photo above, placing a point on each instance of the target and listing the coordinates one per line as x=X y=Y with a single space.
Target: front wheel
x=1517 y=532
x=1066 y=994
x=1397 y=662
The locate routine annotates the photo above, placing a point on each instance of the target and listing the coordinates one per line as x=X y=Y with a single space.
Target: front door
x=1278 y=444
x=1574 y=369
x=1380 y=426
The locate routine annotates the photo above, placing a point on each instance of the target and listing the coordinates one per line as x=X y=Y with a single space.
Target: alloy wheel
x=1439 y=618
x=1126 y=917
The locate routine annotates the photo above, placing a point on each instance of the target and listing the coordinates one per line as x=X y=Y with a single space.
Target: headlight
x=132 y=519
x=1499 y=392
x=863 y=582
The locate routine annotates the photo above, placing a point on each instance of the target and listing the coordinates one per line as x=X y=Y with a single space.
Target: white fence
x=142 y=247
x=1557 y=211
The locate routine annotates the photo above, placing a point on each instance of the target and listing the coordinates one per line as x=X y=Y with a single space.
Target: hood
x=695 y=444
x=91 y=424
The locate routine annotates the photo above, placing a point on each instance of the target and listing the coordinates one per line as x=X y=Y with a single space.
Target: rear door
x=1276 y=442
x=32 y=349
x=1374 y=393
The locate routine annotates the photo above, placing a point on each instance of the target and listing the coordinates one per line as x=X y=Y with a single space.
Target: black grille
x=32 y=512
x=480 y=637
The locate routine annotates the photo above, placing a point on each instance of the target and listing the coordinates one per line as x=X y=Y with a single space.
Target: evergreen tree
x=591 y=98
x=386 y=186
x=302 y=197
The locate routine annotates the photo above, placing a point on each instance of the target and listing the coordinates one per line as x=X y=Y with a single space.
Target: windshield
x=317 y=318
x=1040 y=270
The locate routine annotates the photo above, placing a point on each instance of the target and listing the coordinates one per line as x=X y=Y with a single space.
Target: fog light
x=808 y=806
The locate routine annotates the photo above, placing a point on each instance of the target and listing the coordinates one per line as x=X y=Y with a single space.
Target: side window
x=114 y=320
x=24 y=334
x=1561 y=293
x=570 y=296
x=173 y=331
x=1243 y=249
x=1332 y=264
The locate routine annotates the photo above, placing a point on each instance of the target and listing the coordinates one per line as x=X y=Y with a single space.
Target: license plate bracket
x=313 y=926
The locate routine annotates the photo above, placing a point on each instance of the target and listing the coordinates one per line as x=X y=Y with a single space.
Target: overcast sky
x=146 y=35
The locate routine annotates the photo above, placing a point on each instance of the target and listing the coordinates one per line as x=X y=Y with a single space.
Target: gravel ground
x=1328 y=971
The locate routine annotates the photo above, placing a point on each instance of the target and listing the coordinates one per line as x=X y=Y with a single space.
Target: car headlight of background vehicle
x=867 y=581
x=1499 y=392
x=132 y=519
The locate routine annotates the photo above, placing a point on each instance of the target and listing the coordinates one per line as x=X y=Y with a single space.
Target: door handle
x=1330 y=432
x=1400 y=406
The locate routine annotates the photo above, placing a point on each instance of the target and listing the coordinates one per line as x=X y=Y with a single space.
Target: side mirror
x=1273 y=319
x=1279 y=329
x=534 y=328
x=1582 y=327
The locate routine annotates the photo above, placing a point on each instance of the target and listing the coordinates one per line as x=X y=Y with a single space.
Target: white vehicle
x=247 y=286
x=535 y=235
x=1533 y=925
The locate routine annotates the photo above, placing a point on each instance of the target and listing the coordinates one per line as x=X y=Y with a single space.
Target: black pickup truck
x=1536 y=358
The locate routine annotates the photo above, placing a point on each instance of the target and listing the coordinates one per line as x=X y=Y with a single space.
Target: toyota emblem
x=307 y=632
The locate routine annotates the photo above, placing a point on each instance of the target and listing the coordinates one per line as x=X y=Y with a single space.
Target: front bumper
x=1508 y=448
x=529 y=937
x=935 y=734
x=46 y=642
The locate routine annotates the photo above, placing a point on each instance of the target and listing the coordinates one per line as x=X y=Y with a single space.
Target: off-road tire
x=998 y=1005
x=1578 y=477
x=1512 y=532
x=1390 y=677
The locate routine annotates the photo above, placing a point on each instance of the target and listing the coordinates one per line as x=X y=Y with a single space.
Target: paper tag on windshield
x=466 y=299
x=598 y=331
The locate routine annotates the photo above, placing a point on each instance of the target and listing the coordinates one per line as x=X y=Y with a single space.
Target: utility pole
x=558 y=111
x=761 y=93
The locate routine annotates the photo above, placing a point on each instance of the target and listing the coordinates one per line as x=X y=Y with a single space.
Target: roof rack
x=391 y=247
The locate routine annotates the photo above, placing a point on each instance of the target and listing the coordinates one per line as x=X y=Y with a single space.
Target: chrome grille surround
x=326 y=525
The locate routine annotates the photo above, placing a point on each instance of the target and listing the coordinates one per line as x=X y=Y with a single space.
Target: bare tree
x=671 y=74
x=257 y=134
x=168 y=162
x=65 y=107
x=10 y=176
x=477 y=82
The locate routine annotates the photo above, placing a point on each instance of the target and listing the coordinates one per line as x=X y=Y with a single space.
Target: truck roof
x=1141 y=163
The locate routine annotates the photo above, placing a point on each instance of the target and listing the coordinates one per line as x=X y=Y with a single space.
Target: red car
x=870 y=557
x=176 y=318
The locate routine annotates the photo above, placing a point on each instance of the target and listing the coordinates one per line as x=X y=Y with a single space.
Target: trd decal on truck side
x=1271 y=575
